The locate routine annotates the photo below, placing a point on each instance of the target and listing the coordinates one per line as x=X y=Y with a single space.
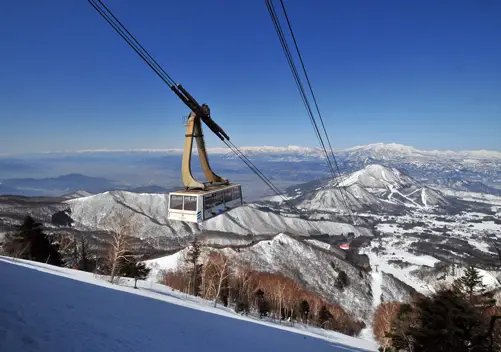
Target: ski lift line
x=279 y=31
x=288 y=55
x=180 y=91
x=254 y=168
x=297 y=79
x=183 y=94
x=155 y=66
x=148 y=59
x=307 y=79
x=309 y=85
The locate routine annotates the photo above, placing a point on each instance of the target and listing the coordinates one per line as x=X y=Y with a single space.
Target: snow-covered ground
x=45 y=308
x=149 y=214
x=401 y=264
x=473 y=196
x=381 y=262
x=316 y=269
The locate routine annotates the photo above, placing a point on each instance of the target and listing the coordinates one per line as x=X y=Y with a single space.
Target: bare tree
x=221 y=266
x=383 y=318
x=121 y=229
x=192 y=257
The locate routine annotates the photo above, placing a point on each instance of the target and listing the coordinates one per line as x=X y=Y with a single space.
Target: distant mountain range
x=66 y=185
x=156 y=171
x=376 y=150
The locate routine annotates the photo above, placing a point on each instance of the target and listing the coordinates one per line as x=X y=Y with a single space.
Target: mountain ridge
x=388 y=147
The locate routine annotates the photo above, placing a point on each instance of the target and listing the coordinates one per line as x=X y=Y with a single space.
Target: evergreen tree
x=134 y=269
x=192 y=257
x=472 y=286
x=341 y=280
x=471 y=282
x=263 y=305
x=446 y=321
x=324 y=317
x=31 y=243
x=84 y=263
x=304 y=310
x=242 y=306
x=61 y=218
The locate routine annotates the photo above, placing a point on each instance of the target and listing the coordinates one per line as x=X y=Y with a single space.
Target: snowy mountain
x=378 y=177
x=261 y=220
x=73 y=309
x=331 y=197
x=375 y=150
x=392 y=150
x=54 y=186
x=149 y=214
x=459 y=184
x=314 y=267
x=374 y=187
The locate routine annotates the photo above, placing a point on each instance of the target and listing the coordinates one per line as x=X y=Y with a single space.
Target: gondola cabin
x=200 y=205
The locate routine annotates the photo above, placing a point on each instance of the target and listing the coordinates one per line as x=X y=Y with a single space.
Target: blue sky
x=421 y=73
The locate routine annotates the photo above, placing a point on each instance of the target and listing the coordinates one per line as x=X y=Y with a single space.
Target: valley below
x=392 y=232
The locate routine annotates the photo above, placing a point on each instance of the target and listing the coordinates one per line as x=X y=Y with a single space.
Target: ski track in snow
x=45 y=308
x=376 y=285
x=423 y=197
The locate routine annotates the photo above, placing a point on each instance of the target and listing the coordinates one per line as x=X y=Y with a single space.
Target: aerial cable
x=308 y=80
x=254 y=168
x=132 y=41
x=297 y=79
x=178 y=89
x=290 y=60
x=310 y=86
x=314 y=100
x=281 y=36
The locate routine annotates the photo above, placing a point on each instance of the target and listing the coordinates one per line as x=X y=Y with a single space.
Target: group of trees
x=459 y=317
x=213 y=276
x=30 y=242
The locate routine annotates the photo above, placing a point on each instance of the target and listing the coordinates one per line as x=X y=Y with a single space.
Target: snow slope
x=302 y=261
x=250 y=219
x=330 y=197
x=45 y=308
x=374 y=187
x=378 y=177
x=149 y=212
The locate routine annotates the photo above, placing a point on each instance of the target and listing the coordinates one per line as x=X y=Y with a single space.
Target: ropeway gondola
x=199 y=201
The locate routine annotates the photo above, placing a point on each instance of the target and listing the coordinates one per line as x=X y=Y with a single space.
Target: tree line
x=29 y=241
x=212 y=275
x=461 y=317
